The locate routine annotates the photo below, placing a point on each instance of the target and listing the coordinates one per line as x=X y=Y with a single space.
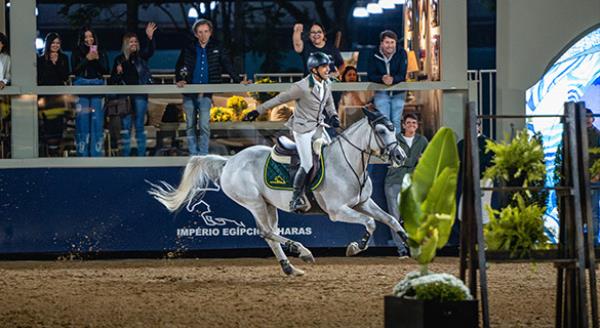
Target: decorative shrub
x=517 y=229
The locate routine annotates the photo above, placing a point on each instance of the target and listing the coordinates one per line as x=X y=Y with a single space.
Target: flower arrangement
x=439 y=287
x=261 y=97
x=238 y=104
x=222 y=114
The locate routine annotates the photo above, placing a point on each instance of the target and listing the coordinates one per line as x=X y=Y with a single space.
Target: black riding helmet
x=317 y=59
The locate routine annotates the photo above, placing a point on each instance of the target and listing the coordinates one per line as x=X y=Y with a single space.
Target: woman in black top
x=53 y=64
x=131 y=68
x=317 y=43
x=89 y=63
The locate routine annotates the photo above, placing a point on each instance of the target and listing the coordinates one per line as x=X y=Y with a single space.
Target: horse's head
x=385 y=143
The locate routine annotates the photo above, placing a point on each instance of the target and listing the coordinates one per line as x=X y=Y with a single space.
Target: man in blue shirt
x=201 y=62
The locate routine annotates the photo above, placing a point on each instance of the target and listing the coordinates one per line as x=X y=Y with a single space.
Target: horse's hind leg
x=263 y=215
x=349 y=215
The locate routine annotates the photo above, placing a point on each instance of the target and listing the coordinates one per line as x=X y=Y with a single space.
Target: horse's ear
x=371 y=113
x=368 y=113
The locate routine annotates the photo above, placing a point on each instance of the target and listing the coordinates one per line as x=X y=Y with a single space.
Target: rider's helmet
x=317 y=59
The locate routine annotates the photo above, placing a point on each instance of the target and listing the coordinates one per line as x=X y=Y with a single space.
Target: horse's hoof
x=308 y=258
x=289 y=269
x=353 y=249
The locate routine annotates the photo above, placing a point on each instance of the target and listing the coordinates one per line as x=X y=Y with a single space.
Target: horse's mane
x=350 y=129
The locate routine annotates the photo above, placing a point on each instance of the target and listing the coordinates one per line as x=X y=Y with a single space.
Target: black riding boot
x=297 y=202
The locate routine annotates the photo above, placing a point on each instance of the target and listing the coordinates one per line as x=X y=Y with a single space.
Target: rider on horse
x=312 y=95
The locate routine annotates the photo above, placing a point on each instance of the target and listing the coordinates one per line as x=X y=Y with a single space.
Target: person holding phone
x=89 y=63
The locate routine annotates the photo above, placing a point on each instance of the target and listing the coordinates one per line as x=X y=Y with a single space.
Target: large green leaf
x=442 y=203
x=439 y=154
x=428 y=197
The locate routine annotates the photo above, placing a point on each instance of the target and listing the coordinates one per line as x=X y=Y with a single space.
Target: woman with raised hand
x=131 y=68
x=317 y=42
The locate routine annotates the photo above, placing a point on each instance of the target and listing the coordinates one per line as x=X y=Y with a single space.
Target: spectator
x=131 y=68
x=4 y=61
x=89 y=63
x=200 y=62
x=351 y=102
x=413 y=145
x=387 y=65
x=317 y=43
x=53 y=64
x=593 y=142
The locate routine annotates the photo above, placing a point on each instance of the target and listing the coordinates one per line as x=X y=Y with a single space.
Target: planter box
x=405 y=313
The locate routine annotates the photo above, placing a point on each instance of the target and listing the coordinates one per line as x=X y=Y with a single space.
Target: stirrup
x=297 y=204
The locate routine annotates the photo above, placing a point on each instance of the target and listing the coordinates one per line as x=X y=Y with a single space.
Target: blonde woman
x=131 y=68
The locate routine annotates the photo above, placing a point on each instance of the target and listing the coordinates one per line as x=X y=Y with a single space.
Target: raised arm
x=297 y=38
x=293 y=93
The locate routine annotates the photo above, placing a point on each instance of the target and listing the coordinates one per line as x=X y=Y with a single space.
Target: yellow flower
x=221 y=114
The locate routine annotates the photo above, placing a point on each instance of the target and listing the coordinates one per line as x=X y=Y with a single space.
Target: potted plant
x=518 y=228
x=428 y=207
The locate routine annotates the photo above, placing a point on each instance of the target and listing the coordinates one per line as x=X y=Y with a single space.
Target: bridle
x=386 y=151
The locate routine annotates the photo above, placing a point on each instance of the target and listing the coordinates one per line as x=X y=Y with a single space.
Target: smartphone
x=94 y=48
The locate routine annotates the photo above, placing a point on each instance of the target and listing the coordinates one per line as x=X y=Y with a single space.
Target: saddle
x=283 y=162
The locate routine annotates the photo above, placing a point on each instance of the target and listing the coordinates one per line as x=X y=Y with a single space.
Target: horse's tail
x=199 y=171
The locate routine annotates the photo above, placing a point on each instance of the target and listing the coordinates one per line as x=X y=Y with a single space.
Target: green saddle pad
x=277 y=175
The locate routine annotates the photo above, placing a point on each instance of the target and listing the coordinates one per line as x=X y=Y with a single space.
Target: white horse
x=345 y=193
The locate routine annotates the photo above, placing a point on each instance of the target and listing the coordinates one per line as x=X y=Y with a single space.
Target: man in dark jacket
x=201 y=62
x=413 y=145
x=387 y=65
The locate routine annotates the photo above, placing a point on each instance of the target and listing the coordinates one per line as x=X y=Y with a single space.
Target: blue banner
x=82 y=210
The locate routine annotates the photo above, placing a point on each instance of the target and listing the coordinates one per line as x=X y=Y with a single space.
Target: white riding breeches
x=304 y=146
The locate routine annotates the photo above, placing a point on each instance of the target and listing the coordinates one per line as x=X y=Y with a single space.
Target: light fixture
x=213 y=5
x=193 y=13
x=387 y=4
x=374 y=8
x=8 y=5
x=202 y=8
x=39 y=43
x=360 y=11
x=36 y=11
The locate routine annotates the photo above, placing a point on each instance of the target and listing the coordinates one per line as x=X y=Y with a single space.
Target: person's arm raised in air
x=297 y=38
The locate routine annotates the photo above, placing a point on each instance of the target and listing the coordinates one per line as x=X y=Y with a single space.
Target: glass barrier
x=182 y=125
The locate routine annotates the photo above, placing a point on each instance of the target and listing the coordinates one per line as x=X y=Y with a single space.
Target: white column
x=23 y=70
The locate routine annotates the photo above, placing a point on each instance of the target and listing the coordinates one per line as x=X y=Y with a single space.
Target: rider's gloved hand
x=251 y=116
x=334 y=121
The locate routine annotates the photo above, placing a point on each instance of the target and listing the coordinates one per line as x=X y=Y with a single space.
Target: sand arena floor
x=248 y=292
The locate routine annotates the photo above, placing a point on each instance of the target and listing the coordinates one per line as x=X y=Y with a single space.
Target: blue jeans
x=391 y=106
x=197 y=112
x=139 y=104
x=89 y=121
x=393 y=203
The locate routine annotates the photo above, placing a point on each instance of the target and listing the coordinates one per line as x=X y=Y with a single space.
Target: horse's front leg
x=370 y=208
x=348 y=215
